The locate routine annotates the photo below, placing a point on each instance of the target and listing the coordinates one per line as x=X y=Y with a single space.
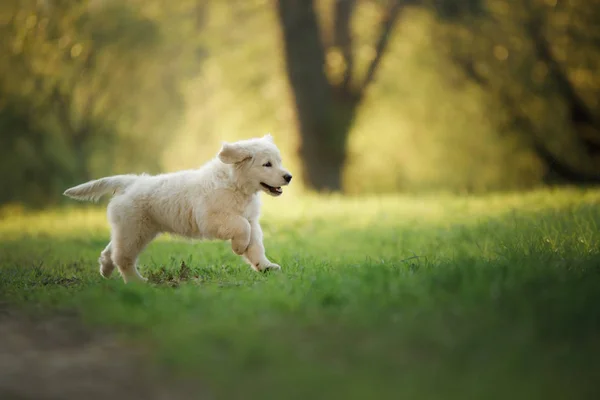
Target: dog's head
x=258 y=164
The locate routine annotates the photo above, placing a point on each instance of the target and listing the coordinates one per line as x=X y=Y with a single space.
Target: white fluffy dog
x=220 y=200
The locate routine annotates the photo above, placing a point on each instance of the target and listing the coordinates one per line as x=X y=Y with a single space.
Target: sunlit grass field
x=439 y=297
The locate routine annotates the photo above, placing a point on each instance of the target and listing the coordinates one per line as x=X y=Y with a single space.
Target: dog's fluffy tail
x=94 y=190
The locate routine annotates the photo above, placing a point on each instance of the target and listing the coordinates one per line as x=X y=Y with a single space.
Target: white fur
x=220 y=200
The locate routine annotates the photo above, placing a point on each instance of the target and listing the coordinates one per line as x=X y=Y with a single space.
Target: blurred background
x=362 y=96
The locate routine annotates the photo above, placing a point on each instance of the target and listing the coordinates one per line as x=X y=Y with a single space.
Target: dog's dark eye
x=267 y=164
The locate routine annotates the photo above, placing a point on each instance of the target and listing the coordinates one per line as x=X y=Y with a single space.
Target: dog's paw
x=239 y=247
x=267 y=266
x=106 y=267
x=134 y=278
x=270 y=267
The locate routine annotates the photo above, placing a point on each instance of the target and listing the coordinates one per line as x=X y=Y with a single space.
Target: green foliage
x=537 y=63
x=422 y=298
x=461 y=100
x=82 y=90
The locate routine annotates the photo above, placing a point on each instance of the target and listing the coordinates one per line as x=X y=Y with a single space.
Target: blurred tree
x=322 y=75
x=540 y=62
x=87 y=88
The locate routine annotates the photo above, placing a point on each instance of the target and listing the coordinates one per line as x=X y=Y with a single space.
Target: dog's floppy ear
x=233 y=153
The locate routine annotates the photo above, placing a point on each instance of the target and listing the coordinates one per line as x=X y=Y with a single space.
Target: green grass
x=381 y=298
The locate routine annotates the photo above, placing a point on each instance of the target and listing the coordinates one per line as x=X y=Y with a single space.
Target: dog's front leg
x=231 y=227
x=255 y=255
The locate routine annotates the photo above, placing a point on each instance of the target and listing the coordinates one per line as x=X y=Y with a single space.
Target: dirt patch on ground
x=56 y=358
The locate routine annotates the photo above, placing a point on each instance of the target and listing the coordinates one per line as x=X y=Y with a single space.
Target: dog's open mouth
x=274 y=190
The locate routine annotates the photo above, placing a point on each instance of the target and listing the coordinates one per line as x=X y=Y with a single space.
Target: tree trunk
x=323 y=125
x=325 y=111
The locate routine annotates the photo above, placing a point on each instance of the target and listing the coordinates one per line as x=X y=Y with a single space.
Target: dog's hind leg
x=106 y=263
x=127 y=243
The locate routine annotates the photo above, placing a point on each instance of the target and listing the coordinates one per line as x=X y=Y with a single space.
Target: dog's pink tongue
x=278 y=190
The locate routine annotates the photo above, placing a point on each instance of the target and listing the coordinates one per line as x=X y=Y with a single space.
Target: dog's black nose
x=287 y=178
